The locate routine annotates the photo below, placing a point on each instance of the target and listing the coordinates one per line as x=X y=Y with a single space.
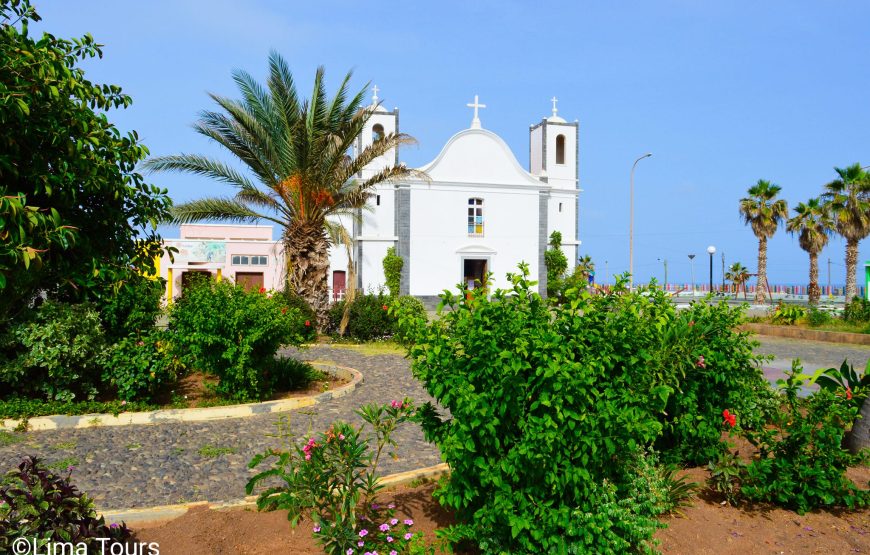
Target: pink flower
x=340 y=436
x=349 y=551
x=393 y=552
x=409 y=535
x=395 y=404
x=363 y=533
x=384 y=527
x=360 y=543
x=701 y=362
x=409 y=522
x=316 y=528
x=394 y=522
x=390 y=539
x=391 y=506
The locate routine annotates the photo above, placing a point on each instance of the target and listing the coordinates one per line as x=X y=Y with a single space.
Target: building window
x=560 y=207
x=250 y=260
x=475 y=217
x=560 y=149
x=378 y=200
x=377 y=132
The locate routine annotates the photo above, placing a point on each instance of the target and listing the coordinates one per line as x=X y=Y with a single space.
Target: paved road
x=141 y=466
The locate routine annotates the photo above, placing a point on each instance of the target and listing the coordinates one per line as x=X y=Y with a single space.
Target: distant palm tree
x=297 y=152
x=813 y=224
x=585 y=266
x=737 y=274
x=763 y=212
x=848 y=198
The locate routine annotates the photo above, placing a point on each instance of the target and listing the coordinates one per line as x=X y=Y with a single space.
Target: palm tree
x=763 y=214
x=585 y=266
x=848 y=198
x=300 y=175
x=813 y=223
x=737 y=274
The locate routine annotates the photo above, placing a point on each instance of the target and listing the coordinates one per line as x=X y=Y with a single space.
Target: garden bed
x=798 y=331
x=706 y=527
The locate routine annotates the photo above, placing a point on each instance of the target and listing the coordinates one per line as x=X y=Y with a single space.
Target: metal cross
x=475 y=123
x=554 y=100
x=375 y=90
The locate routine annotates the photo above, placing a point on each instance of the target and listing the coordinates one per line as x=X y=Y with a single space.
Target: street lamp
x=711 y=250
x=692 y=260
x=631 y=223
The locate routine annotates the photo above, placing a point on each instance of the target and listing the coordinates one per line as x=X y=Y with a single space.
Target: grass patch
x=213 y=451
x=64 y=464
x=65 y=446
x=176 y=451
x=17 y=407
x=372 y=348
x=134 y=446
x=10 y=438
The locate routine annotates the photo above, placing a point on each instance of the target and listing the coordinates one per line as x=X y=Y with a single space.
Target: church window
x=560 y=207
x=377 y=132
x=377 y=200
x=560 y=149
x=475 y=217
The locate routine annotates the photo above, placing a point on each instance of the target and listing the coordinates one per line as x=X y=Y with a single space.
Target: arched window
x=560 y=149
x=475 y=217
x=377 y=132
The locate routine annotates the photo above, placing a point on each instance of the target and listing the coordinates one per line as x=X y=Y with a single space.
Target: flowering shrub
x=331 y=480
x=801 y=461
x=368 y=317
x=133 y=306
x=223 y=330
x=140 y=365
x=549 y=405
x=45 y=508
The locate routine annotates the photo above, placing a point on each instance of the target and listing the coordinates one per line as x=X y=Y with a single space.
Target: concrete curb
x=166 y=513
x=57 y=422
x=794 y=332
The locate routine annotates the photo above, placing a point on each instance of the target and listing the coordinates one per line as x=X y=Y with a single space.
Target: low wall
x=795 y=332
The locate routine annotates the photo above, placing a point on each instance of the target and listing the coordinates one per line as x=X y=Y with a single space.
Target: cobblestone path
x=161 y=464
x=812 y=354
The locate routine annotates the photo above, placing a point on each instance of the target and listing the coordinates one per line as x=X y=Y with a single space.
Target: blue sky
x=722 y=94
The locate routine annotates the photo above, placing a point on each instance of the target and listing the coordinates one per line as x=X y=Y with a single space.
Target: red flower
x=848 y=393
x=262 y=289
x=284 y=310
x=730 y=419
x=308 y=323
x=384 y=307
x=701 y=362
x=691 y=323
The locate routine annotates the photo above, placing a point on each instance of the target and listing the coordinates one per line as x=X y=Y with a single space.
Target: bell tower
x=380 y=123
x=554 y=150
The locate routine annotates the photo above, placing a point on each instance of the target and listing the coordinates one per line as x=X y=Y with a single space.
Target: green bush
x=292 y=300
x=141 y=365
x=47 y=509
x=133 y=308
x=550 y=404
x=801 y=461
x=410 y=306
x=857 y=311
x=816 y=317
x=393 y=265
x=556 y=263
x=234 y=335
x=59 y=353
x=369 y=317
x=289 y=374
x=786 y=315
x=21 y=407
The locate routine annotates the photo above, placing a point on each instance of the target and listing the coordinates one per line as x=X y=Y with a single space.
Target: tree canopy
x=75 y=217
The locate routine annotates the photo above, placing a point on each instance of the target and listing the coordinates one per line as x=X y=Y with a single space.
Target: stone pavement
x=142 y=466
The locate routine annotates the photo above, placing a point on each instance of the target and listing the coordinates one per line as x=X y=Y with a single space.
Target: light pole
x=665 y=262
x=692 y=260
x=631 y=222
x=711 y=250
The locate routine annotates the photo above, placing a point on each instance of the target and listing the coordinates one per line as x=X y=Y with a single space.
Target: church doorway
x=474 y=272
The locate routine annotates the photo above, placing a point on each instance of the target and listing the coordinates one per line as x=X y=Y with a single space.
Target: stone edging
x=166 y=513
x=57 y=422
x=795 y=332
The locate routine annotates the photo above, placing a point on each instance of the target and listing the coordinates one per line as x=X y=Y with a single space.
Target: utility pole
x=723 y=271
x=692 y=260
x=666 y=274
x=829 y=276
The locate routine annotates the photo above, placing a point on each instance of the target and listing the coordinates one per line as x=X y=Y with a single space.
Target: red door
x=339 y=282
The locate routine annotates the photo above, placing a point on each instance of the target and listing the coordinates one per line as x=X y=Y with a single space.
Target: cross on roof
x=475 y=123
x=375 y=98
x=554 y=100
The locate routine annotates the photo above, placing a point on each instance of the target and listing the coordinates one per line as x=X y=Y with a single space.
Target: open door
x=474 y=272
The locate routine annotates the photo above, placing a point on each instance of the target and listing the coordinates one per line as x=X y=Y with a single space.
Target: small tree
x=393 y=264
x=557 y=264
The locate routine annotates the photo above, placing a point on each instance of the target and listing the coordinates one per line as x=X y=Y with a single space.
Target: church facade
x=478 y=213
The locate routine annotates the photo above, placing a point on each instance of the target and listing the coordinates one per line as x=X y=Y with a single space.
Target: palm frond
x=223 y=209
x=199 y=165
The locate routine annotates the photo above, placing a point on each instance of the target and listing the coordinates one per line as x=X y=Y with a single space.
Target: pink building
x=244 y=254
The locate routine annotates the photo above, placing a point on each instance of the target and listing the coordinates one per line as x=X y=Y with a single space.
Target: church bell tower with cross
x=554 y=150
x=379 y=124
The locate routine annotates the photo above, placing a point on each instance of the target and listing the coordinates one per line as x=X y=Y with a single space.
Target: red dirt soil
x=705 y=528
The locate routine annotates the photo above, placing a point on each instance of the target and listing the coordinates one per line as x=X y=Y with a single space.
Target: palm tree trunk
x=307 y=249
x=851 y=267
x=859 y=437
x=761 y=288
x=814 y=291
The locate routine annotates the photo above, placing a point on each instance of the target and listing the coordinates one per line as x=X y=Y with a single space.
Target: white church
x=480 y=212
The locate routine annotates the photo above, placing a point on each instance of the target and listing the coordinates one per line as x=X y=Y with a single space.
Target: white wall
x=439 y=231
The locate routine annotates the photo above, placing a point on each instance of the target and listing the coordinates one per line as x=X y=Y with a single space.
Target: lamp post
x=631 y=222
x=692 y=260
x=711 y=250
